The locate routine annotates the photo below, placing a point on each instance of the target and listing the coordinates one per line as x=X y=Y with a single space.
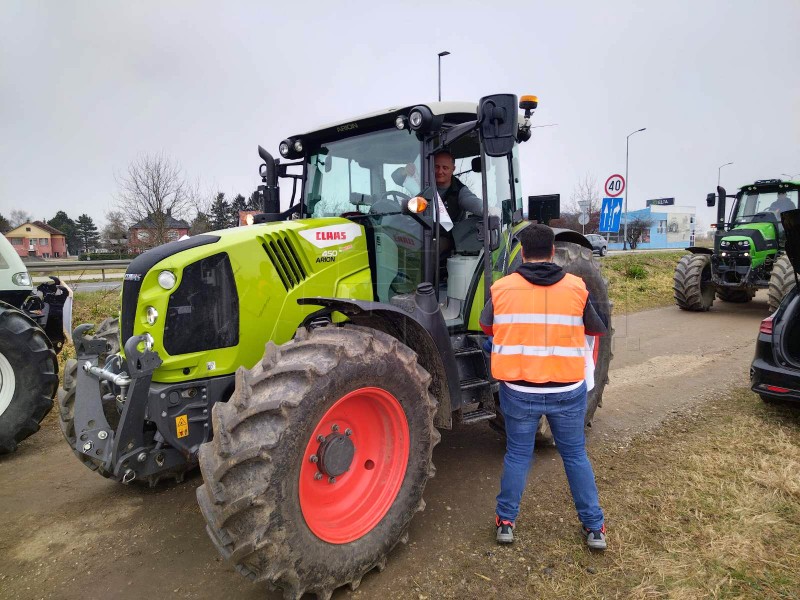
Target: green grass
x=640 y=281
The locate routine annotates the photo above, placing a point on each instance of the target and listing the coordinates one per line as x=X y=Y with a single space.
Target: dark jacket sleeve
x=487 y=318
x=593 y=322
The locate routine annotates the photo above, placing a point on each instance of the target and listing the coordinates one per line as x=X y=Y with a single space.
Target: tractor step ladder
x=476 y=382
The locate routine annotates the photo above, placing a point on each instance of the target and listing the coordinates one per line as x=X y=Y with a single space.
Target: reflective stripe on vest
x=538 y=330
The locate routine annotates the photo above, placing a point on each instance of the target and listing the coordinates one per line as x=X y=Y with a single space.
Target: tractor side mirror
x=497 y=117
x=711 y=199
x=476 y=164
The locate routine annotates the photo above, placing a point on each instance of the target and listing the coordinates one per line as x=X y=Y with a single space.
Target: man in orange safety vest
x=540 y=317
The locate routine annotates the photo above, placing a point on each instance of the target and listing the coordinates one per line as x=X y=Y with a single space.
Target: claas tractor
x=308 y=361
x=748 y=252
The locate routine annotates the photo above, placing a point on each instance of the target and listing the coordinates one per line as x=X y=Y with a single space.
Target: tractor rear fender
x=419 y=325
x=568 y=235
x=699 y=250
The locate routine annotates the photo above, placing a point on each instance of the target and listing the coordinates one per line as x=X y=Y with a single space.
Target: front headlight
x=152 y=315
x=22 y=279
x=167 y=279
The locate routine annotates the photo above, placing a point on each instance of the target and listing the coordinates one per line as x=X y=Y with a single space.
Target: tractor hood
x=760 y=236
x=791 y=227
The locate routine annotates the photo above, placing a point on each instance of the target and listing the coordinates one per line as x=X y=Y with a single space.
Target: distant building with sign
x=672 y=226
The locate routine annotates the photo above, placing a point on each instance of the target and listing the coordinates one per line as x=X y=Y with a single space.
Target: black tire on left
x=28 y=377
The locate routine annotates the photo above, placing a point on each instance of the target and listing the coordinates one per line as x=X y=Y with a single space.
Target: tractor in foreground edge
x=748 y=252
x=34 y=323
x=315 y=451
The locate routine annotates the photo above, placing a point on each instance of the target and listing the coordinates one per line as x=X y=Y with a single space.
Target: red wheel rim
x=351 y=506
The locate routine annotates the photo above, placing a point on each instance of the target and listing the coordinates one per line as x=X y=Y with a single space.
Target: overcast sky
x=86 y=87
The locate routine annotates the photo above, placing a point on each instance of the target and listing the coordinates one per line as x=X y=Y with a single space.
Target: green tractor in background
x=748 y=251
x=315 y=453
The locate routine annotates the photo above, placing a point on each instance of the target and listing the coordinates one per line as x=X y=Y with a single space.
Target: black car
x=599 y=243
x=775 y=372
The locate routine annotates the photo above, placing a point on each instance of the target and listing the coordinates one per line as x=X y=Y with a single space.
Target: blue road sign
x=610 y=214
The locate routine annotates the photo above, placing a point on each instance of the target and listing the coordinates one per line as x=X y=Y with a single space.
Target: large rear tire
x=780 y=282
x=692 y=286
x=28 y=377
x=738 y=296
x=319 y=459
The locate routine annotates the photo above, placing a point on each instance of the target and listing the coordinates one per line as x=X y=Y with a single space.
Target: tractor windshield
x=363 y=174
x=755 y=205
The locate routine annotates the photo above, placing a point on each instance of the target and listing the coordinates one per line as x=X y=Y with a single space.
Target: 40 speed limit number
x=615 y=185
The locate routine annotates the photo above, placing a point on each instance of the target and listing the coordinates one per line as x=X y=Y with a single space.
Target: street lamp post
x=719 y=171
x=628 y=185
x=791 y=177
x=441 y=54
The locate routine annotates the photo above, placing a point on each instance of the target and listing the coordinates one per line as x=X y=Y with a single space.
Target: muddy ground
x=68 y=533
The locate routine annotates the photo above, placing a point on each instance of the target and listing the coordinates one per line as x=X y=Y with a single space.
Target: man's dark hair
x=537 y=241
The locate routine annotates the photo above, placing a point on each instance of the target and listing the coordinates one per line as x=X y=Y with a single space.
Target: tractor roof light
x=420 y=119
x=528 y=103
x=284 y=148
x=167 y=280
x=400 y=122
x=298 y=146
x=417 y=204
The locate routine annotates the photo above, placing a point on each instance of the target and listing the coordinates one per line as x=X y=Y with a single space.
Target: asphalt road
x=67 y=533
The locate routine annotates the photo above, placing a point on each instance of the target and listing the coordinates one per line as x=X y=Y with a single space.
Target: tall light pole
x=719 y=171
x=627 y=191
x=441 y=54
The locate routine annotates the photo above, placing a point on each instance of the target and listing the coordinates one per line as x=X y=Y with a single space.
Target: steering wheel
x=398 y=198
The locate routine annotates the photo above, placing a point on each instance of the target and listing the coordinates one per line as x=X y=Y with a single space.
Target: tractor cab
x=379 y=172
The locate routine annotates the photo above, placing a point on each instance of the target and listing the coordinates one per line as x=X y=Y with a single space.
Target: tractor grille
x=284 y=258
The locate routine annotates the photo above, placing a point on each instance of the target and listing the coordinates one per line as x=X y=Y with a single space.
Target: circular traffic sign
x=615 y=185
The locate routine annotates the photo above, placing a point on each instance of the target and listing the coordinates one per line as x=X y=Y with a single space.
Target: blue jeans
x=565 y=413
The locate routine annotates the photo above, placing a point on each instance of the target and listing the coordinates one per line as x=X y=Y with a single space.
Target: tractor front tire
x=692 y=285
x=28 y=377
x=780 y=281
x=739 y=296
x=319 y=459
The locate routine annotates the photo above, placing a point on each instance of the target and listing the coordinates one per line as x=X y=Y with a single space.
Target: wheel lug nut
x=334 y=427
x=320 y=438
x=317 y=475
x=331 y=479
x=87 y=446
x=348 y=432
x=313 y=458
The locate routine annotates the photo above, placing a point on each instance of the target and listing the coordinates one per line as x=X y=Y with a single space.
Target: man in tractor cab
x=540 y=317
x=782 y=203
x=457 y=199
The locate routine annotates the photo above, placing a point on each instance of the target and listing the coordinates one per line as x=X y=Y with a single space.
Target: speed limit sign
x=615 y=185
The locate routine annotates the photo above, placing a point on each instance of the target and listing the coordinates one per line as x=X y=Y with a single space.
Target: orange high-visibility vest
x=538 y=330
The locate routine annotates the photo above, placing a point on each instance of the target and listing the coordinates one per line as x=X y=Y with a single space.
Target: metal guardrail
x=52 y=267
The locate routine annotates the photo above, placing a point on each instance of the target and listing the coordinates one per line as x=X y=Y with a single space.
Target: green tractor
x=316 y=450
x=748 y=251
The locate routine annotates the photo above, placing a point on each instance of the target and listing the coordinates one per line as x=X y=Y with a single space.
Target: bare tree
x=637 y=227
x=587 y=191
x=153 y=191
x=18 y=217
x=115 y=233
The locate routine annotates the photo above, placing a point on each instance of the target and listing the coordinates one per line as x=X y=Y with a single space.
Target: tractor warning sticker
x=332 y=235
x=182 y=426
